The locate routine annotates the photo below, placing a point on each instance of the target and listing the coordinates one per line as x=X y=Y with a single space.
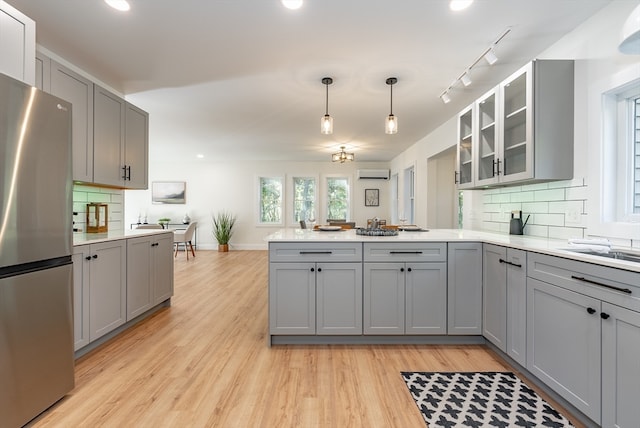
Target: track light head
x=490 y=57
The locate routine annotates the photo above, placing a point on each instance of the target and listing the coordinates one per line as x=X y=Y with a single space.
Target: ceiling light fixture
x=391 y=124
x=342 y=156
x=465 y=78
x=326 y=122
x=121 y=5
x=490 y=56
x=457 y=5
x=292 y=4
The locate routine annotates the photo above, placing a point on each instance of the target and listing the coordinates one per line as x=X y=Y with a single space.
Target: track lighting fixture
x=490 y=56
x=326 y=122
x=465 y=78
x=391 y=123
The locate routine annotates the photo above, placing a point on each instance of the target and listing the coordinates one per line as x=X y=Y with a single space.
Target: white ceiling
x=241 y=79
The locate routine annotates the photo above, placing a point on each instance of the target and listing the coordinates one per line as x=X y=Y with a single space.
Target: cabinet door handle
x=455 y=177
x=95 y=256
x=604 y=315
x=591 y=311
x=401 y=269
x=124 y=172
x=408 y=269
x=319 y=269
x=88 y=258
x=510 y=263
x=493 y=171
x=498 y=166
x=313 y=270
x=129 y=172
x=613 y=287
x=316 y=252
x=405 y=252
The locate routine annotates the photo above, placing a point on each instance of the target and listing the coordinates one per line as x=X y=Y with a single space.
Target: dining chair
x=184 y=237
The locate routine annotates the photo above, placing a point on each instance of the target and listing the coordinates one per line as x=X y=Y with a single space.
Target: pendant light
x=391 y=124
x=326 y=122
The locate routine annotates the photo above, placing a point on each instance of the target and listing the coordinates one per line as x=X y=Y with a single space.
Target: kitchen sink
x=614 y=254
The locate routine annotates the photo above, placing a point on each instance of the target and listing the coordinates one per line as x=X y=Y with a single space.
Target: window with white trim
x=304 y=199
x=338 y=198
x=270 y=200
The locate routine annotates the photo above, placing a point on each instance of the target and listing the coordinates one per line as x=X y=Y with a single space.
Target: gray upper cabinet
x=464 y=294
x=17 y=44
x=43 y=72
x=136 y=149
x=466 y=148
x=70 y=86
x=522 y=130
x=108 y=138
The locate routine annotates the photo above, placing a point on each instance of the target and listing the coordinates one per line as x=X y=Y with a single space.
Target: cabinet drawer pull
x=510 y=263
x=405 y=252
x=88 y=258
x=604 y=315
x=316 y=252
x=580 y=278
x=401 y=269
x=591 y=311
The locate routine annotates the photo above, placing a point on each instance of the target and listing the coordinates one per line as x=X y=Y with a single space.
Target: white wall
x=214 y=186
x=593 y=45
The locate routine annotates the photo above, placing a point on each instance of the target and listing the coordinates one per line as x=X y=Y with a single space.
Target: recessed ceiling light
x=292 y=4
x=200 y=156
x=457 y=5
x=121 y=5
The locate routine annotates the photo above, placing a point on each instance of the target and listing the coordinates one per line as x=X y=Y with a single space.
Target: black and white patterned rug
x=479 y=399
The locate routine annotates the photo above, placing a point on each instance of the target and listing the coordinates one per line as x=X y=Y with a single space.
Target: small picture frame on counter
x=371 y=197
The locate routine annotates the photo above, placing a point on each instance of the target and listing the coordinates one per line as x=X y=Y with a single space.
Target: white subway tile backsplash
x=522 y=196
x=114 y=198
x=549 y=195
x=564 y=207
x=500 y=198
x=565 y=232
x=547 y=219
x=535 y=207
x=576 y=193
x=537 y=230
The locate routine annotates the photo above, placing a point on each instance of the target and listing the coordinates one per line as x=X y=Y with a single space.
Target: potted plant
x=223 y=229
x=164 y=222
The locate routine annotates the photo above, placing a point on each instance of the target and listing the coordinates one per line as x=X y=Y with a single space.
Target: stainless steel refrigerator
x=36 y=317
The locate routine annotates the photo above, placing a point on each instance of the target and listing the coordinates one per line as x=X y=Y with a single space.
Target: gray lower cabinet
x=405 y=298
x=405 y=288
x=583 y=336
x=563 y=343
x=315 y=298
x=504 y=299
x=81 y=280
x=464 y=294
x=149 y=272
x=620 y=367
x=107 y=287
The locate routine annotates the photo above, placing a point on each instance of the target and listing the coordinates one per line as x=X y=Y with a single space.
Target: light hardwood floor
x=204 y=362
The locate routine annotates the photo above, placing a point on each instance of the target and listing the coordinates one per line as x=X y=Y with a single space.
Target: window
x=627 y=138
x=304 y=199
x=338 y=198
x=409 y=196
x=271 y=200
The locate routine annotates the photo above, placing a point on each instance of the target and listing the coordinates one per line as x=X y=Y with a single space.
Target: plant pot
x=223 y=248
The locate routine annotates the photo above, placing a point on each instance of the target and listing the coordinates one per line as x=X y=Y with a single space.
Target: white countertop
x=94 y=238
x=554 y=247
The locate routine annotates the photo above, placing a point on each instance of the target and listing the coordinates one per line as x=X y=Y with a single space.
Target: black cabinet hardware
x=591 y=311
x=401 y=269
x=604 y=315
x=319 y=269
x=580 y=278
x=510 y=263
x=405 y=252
x=88 y=258
x=409 y=269
x=316 y=252
x=95 y=256
x=455 y=177
x=312 y=270
x=498 y=167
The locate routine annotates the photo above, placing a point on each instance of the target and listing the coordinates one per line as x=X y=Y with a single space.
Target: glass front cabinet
x=523 y=128
x=464 y=174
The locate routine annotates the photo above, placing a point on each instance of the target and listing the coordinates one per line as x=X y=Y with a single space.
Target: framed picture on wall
x=371 y=197
x=168 y=192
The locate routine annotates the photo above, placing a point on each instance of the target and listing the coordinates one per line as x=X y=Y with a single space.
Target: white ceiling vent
x=373 y=174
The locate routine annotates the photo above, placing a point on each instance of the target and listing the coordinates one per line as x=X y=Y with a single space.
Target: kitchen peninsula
x=562 y=316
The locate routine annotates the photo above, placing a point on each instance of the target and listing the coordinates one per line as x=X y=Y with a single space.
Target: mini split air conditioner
x=373 y=174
